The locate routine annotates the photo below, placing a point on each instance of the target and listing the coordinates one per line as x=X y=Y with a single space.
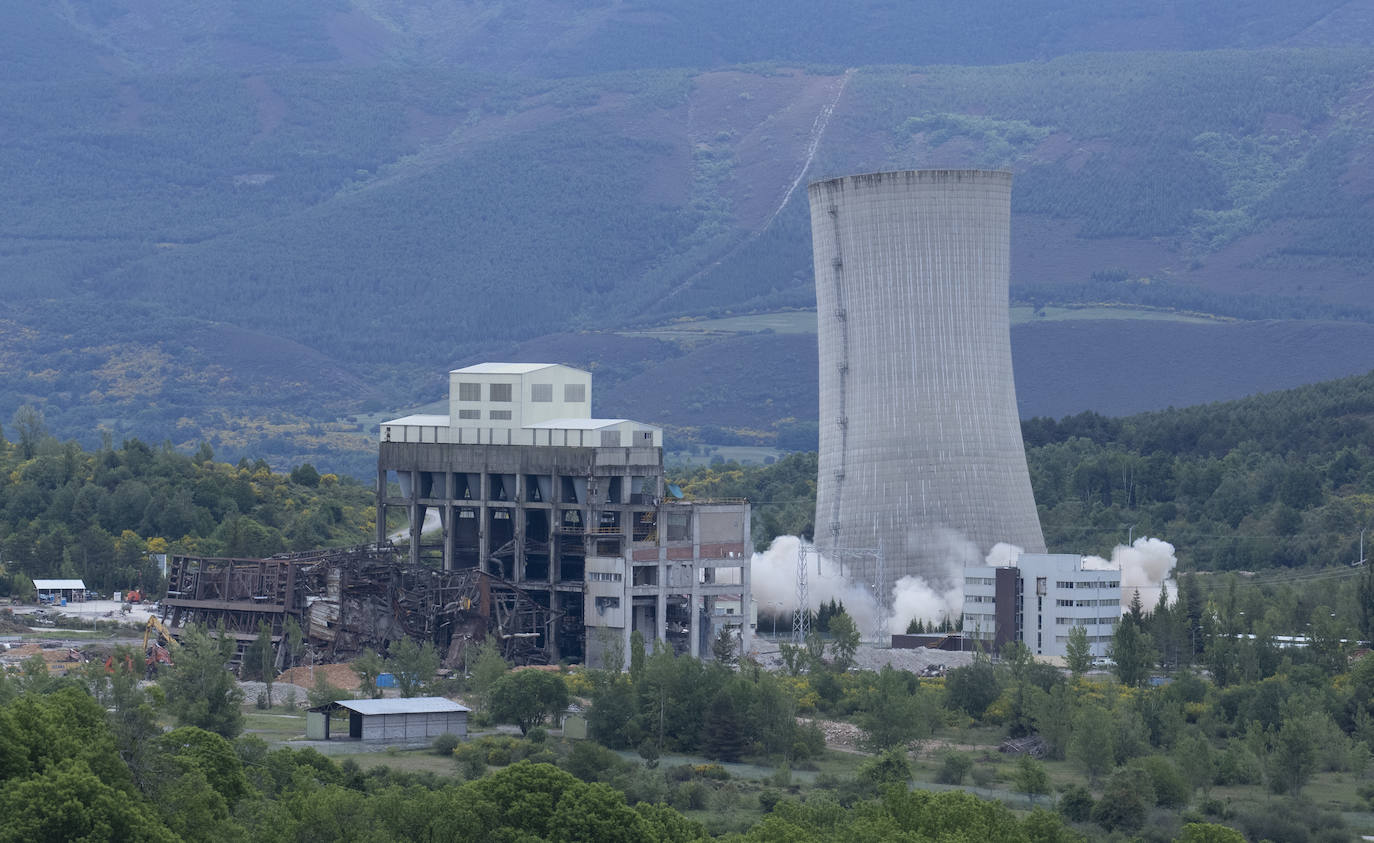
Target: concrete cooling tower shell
x=920 y=441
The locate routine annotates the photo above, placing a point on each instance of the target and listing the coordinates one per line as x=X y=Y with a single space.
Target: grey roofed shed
x=69 y=589
x=416 y=721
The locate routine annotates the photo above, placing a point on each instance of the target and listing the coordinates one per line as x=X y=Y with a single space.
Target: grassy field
x=733 y=804
x=275 y=726
x=1022 y=314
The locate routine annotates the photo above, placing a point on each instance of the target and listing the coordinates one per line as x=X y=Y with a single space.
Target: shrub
x=471 y=760
x=1170 y=789
x=1076 y=805
x=769 y=799
x=889 y=768
x=954 y=766
x=498 y=755
x=984 y=776
x=537 y=735
x=445 y=744
x=691 y=796
x=591 y=761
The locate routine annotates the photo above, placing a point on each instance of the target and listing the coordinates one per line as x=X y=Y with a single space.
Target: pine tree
x=722 y=739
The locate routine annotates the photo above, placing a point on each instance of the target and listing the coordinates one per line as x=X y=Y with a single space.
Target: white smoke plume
x=1145 y=566
x=773 y=576
x=1003 y=555
x=774 y=583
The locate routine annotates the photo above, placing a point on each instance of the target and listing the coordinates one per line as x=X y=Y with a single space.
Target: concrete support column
x=518 y=530
x=381 y=506
x=629 y=604
x=661 y=622
x=694 y=622
x=416 y=520
x=483 y=523
x=746 y=607
x=450 y=513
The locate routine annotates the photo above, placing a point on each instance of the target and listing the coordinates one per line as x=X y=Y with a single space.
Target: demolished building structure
x=552 y=535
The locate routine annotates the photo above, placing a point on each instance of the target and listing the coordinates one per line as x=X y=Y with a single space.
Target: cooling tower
x=920 y=441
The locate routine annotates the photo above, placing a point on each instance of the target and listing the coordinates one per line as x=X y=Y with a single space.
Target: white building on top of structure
x=521 y=404
x=1038 y=600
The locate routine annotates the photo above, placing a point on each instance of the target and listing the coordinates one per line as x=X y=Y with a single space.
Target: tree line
x=98 y=515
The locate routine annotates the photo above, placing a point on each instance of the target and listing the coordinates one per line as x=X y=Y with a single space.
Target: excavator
x=158 y=650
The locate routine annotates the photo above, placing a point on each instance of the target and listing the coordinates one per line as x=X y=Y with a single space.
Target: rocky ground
x=921 y=661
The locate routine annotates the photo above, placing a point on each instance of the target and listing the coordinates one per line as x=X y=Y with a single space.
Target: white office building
x=1038 y=600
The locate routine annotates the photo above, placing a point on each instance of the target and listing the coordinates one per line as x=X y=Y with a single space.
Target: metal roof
x=506 y=368
x=402 y=705
x=58 y=585
x=583 y=424
x=420 y=420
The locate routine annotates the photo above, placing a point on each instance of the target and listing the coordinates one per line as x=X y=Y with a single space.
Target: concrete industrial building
x=1039 y=600
x=920 y=440
x=530 y=489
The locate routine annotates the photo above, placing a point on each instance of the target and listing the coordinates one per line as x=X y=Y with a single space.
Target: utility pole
x=801 y=622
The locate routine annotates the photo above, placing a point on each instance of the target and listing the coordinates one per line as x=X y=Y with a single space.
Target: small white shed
x=414 y=721
x=55 y=591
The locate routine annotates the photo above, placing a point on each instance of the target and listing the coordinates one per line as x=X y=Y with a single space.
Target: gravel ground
x=868 y=657
x=281 y=692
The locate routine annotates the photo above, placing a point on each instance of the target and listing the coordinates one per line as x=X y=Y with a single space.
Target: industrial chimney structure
x=920 y=440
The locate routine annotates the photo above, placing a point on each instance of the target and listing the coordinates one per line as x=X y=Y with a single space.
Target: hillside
x=248 y=224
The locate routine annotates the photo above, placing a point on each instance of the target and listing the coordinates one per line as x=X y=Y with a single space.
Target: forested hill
x=67 y=512
x=560 y=38
x=1278 y=480
x=250 y=223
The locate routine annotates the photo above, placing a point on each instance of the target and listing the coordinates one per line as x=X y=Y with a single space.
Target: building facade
x=521 y=482
x=1039 y=600
x=920 y=439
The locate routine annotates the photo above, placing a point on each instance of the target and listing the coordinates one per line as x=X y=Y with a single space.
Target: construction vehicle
x=133 y=595
x=158 y=651
x=126 y=663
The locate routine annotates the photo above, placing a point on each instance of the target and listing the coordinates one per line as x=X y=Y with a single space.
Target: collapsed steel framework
x=348 y=599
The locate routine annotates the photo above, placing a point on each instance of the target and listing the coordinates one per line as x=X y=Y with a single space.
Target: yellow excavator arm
x=164 y=635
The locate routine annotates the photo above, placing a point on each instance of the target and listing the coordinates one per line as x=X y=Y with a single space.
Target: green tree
x=1030 y=778
x=70 y=802
x=199 y=687
x=1052 y=716
x=844 y=641
x=1091 y=746
x=613 y=707
x=722 y=738
x=597 y=812
x=724 y=649
x=1132 y=650
x=1125 y=801
x=369 y=666
x=1196 y=761
x=414 y=665
x=637 y=656
x=1078 y=654
x=294 y=638
x=889 y=767
x=526 y=698
x=973 y=688
x=896 y=712
x=1293 y=754
x=1209 y=833
x=486 y=669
